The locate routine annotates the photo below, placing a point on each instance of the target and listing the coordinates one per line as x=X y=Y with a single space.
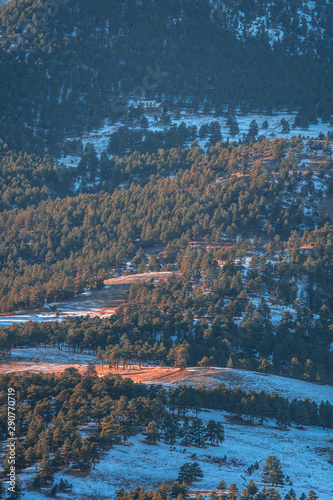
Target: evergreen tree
x=45 y=472
x=186 y=433
x=272 y=494
x=99 y=357
x=190 y=472
x=312 y=495
x=232 y=492
x=272 y=471
x=283 y=416
x=198 y=432
x=251 y=490
x=171 y=429
x=153 y=434
x=17 y=492
x=214 y=432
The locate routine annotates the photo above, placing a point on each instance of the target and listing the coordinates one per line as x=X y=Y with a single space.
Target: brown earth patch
x=144 y=374
x=137 y=278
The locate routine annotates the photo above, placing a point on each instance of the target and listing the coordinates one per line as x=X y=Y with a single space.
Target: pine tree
x=178 y=488
x=214 y=432
x=153 y=434
x=253 y=129
x=99 y=356
x=285 y=126
x=291 y=495
x=222 y=485
x=302 y=416
x=198 y=432
x=171 y=429
x=186 y=433
x=190 y=472
x=283 y=416
x=272 y=471
x=250 y=491
x=232 y=492
x=312 y=495
x=45 y=472
x=272 y=494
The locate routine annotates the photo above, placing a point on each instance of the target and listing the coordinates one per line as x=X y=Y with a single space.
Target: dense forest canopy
x=53 y=249
x=71 y=65
x=228 y=202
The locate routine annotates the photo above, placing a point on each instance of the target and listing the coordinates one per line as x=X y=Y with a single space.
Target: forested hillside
x=163 y=149
x=71 y=65
x=49 y=251
x=242 y=228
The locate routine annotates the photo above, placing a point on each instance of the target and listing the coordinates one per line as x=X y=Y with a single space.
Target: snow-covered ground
x=23 y=318
x=138 y=464
x=100 y=138
x=45 y=360
x=50 y=355
x=287 y=387
x=89 y=308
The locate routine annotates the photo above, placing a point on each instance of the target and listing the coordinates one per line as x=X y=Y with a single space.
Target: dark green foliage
x=190 y=472
x=16 y=492
x=76 y=78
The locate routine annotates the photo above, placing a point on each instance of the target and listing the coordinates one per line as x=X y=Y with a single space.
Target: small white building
x=146 y=105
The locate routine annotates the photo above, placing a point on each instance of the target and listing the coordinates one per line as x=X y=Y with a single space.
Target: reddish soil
x=145 y=374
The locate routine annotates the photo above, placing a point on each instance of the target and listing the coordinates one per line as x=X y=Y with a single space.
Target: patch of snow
x=287 y=387
x=100 y=138
x=24 y=318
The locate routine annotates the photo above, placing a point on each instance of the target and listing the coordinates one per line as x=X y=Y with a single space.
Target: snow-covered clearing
x=49 y=355
x=23 y=318
x=100 y=138
x=101 y=302
x=139 y=464
x=287 y=387
x=46 y=360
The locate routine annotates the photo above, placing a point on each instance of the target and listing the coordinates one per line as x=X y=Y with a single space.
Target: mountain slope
x=70 y=67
